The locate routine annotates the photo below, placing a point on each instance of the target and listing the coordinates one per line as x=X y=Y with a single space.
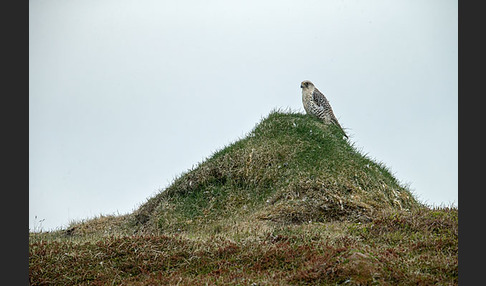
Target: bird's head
x=306 y=84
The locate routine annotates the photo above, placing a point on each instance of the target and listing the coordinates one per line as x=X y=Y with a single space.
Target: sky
x=125 y=96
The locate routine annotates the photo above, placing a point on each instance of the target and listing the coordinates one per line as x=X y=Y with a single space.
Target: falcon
x=316 y=104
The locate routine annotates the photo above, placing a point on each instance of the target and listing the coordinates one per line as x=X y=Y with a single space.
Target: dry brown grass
x=395 y=248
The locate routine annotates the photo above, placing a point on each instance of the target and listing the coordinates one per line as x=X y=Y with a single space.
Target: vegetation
x=292 y=203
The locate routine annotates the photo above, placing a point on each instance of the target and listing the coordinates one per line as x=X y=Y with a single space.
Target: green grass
x=289 y=168
x=291 y=203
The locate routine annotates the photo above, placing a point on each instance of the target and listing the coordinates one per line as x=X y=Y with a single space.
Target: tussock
x=290 y=169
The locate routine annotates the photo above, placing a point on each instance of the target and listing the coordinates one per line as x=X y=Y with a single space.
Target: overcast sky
x=124 y=96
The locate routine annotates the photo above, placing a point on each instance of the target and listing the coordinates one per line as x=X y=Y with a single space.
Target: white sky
x=124 y=96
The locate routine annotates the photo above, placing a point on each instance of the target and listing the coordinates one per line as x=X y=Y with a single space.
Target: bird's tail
x=339 y=125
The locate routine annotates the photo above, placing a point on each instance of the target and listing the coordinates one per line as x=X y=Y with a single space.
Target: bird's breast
x=306 y=99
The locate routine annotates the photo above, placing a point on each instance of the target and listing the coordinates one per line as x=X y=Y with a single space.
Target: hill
x=293 y=198
x=291 y=168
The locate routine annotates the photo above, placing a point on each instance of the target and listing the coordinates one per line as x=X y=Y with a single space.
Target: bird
x=316 y=104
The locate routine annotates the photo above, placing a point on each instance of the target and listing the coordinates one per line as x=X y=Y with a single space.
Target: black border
x=15 y=139
x=471 y=146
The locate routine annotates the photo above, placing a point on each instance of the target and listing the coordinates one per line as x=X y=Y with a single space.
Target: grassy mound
x=290 y=168
x=292 y=203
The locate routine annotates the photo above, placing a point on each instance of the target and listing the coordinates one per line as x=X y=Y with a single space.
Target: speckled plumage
x=316 y=104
